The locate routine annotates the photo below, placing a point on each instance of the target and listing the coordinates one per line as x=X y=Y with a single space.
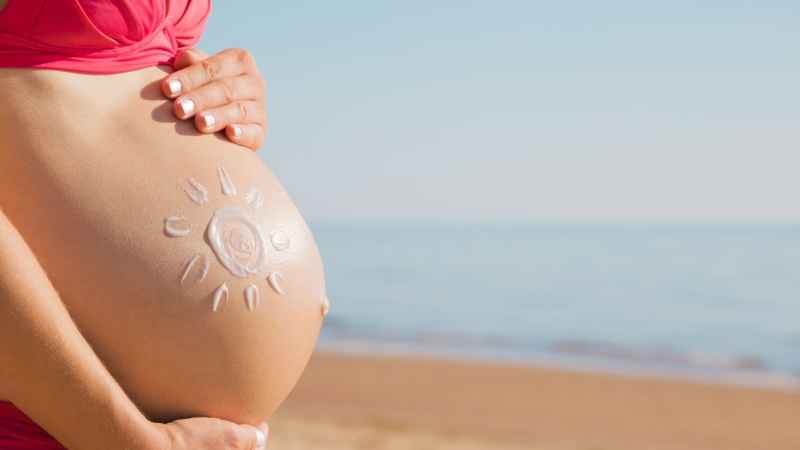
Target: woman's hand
x=224 y=91
x=212 y=434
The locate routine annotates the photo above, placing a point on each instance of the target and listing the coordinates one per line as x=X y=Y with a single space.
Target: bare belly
x=180 y=256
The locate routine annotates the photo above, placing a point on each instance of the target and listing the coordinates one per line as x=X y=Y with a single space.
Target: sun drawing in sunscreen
x=235 y=238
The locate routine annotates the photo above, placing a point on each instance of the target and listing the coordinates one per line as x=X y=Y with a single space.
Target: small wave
x=575 y=354
x=611 y=350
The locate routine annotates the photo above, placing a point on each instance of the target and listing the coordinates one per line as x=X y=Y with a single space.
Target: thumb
x=255 y=437
x=187 y=57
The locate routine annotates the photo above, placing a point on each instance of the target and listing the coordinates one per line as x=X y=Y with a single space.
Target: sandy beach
x=357 y=402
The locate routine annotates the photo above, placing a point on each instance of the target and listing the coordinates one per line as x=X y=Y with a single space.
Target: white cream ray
x=252 y=297
x=220 y=297
x=196 y=191
x=280 y=240
x=275 y=279
x=175 y=226
x=203 y=259
x=188 y=267
x=228 y=188
x=254 y=198
x=204 y=271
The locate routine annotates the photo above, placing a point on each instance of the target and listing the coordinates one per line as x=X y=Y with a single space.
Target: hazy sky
x=504 y=109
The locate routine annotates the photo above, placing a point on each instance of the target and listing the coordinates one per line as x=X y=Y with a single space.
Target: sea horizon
x=706 y=301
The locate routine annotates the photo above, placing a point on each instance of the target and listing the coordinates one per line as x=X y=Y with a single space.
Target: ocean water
x=720 y=302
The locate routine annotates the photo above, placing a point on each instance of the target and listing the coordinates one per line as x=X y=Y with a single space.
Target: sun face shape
x=235 y=238
x=237 y=241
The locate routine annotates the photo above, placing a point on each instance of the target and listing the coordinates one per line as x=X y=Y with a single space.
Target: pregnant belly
x=180 y=257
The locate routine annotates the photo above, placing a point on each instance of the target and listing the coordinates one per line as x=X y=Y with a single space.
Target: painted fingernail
x=237 y=131
x=261 y=440
x=175 y=86
x=186 y=106
x=208 y=120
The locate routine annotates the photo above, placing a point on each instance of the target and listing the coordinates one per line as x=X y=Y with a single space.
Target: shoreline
x=346 y=402
x=585 y=363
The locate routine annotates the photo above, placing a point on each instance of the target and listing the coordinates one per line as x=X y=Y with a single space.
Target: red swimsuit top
x=18 y=432
x=98 y=36
x=89 y=36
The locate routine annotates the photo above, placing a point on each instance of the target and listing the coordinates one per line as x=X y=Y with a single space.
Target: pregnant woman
x=149 y=272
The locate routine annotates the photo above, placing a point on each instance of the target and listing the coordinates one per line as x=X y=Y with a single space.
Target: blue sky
x=528 y=110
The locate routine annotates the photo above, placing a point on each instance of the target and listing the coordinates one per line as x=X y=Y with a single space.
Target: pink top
x=98 y=36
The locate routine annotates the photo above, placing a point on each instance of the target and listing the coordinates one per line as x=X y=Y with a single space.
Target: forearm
x=49 y=371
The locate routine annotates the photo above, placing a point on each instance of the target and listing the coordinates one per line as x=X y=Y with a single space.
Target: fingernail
x=175 y=86
x=208 y=120
x=261 y=440
x=186 y=106
x=237 y=131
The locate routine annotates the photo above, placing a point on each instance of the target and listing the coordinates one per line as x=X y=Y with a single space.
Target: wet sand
x=375 y=403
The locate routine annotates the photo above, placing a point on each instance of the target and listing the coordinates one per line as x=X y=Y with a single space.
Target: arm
x=47 y=368
x=49 y=371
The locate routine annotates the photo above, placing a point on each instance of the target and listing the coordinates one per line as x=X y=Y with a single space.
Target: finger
x=247 y=437
x=218 y=93
x=243 y=112
x=171 y=86
x=262 y=436
x=227 y=63
x=251 y=135
x=186 y=58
